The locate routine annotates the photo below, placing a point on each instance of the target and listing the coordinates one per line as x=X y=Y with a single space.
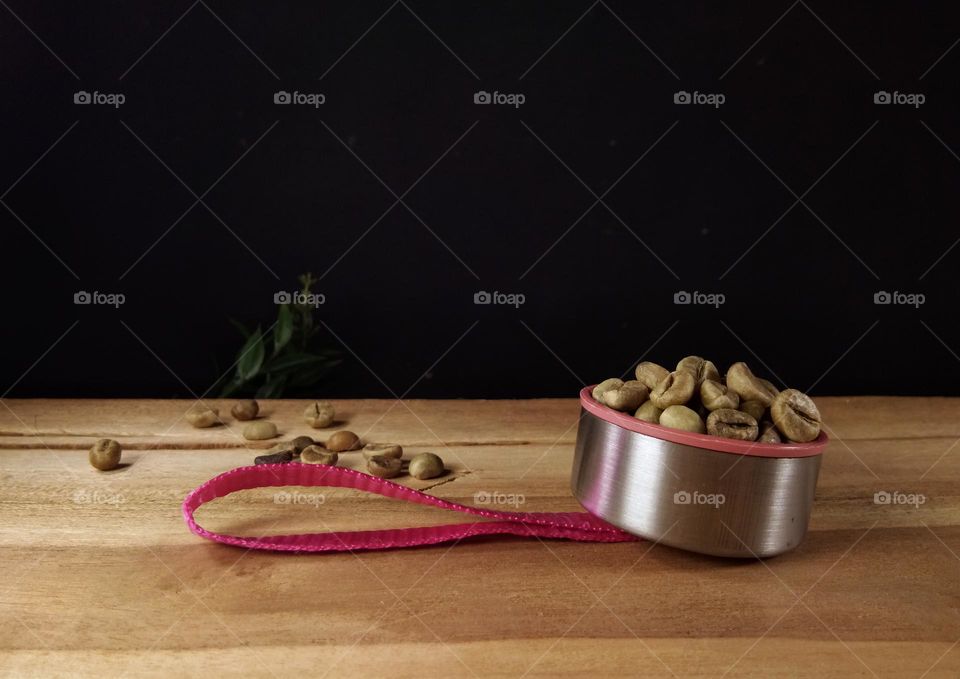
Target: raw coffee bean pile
x=696 y=398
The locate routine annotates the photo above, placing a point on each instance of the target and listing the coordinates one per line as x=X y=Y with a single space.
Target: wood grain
x=103 y=578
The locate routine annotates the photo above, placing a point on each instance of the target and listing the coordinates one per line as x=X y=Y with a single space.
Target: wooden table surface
x=102 y=577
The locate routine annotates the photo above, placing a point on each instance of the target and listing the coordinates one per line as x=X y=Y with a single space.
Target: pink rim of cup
x=717 y=443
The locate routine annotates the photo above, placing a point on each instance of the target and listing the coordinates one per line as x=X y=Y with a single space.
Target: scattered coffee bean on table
x=425 y=466
x=201 y=416
x=245 y=410
x=318 y=455
x=105 y=455
x=343 y=441
x=384 y=467
x=319 y=414
x=274 y=458
x=301 y=442
x=259 y=430
x=383 y=449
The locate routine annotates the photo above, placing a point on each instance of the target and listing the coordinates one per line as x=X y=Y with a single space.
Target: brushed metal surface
x=701 y=500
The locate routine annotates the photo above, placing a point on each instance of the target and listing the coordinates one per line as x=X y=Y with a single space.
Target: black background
x=799 y=81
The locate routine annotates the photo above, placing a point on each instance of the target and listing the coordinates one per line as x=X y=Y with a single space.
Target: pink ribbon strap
x=569 y=525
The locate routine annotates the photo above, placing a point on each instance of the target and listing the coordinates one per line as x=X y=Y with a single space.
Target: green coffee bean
x=732 y=424
x=673 y=390
x=259 y=430
x=628 y=396
x=682 y=417
x=245 y=410
x=301 y=442
x=319 y=414
x=768 y=433
x=648 y=412
x=754 y=409
x=105 y=455
x=382 y=449
x=274 y=458
x=650 y=374
x=201 y=416
x=384 y=467
x=606 y=385
x=714 y=395
x=796 y=416
x=771 y=387
x=748 y=386
x=342 y=441
x=425 y=466
x=700 y=368
x=318 y=455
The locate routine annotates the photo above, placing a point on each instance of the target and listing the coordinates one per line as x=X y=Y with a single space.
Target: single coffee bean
x=732 y=424
x=425 y=466
x=259 y=430
x=627 y=397
x=681 y=417
x=796 y=416
x=384 y=467
x=768 y=433
x=382 y=449
x=650 y=374
x=105 y=455
x=606 y=385
x=342 y=441
x=747 y=385
x=201 y=416
x=301 y=442
x=318 y=455
x=319 y=414
x=273 y=458
x=700 y=368
x=648 y=412
x=770 y=386
x=714 y=395
x=245 y=410
x=754 y=409
x=673 y=390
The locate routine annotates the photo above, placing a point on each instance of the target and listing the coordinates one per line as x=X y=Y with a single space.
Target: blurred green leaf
x=297 y=359
x=283 y=331
x=289 y=362
x=271 y=389
x=251 y=356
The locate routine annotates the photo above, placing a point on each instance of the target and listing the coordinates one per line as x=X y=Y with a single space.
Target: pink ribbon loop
x=567 y=525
